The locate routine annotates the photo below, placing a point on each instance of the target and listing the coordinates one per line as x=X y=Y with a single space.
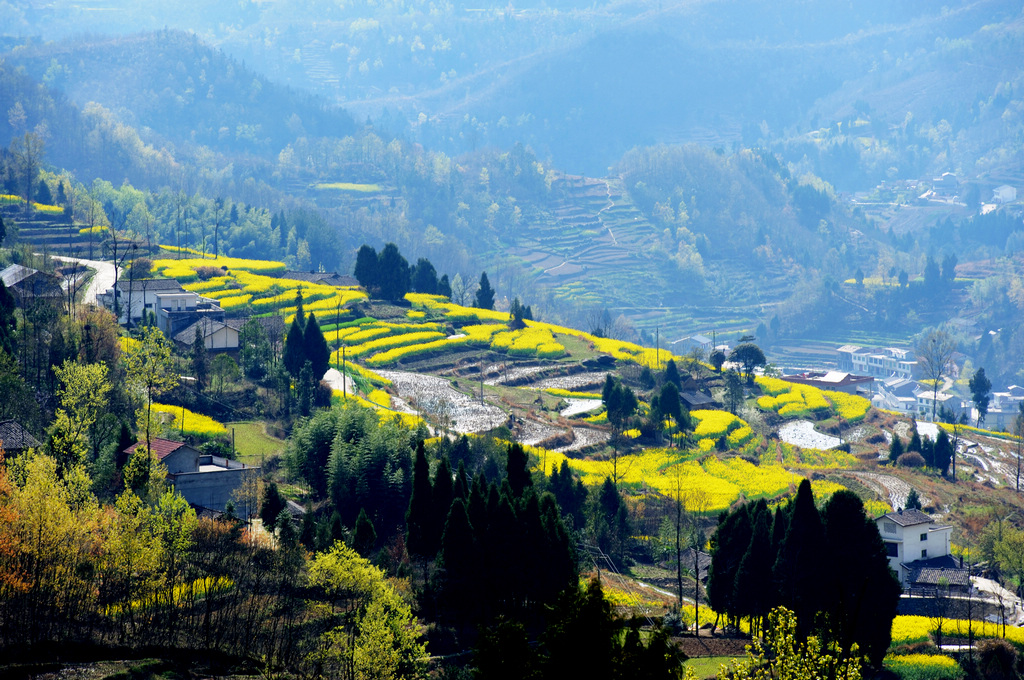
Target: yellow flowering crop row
x=799 y=399
x=98 y=229
x=390 y=341
x=569 y=394
x=755 y=480
x=740 y=436
x=706 y=445
x=456 y=313
x=773 y=386
x=415 y=314
x=210 y=285
x=924 y=667
x=399 y=353
x=233 y=302
x=381 y=398
x=823 y=489
x=47 y=209
x=232 y=263
x=600 y=419
x=875 y=508
x=527 y=342
x=367 y=333
x=825 y=460
x=714 y=424
x=194 y=424
x=663 y=469
x=849 y=406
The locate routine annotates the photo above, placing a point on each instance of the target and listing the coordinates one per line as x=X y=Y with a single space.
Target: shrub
x=911 y=459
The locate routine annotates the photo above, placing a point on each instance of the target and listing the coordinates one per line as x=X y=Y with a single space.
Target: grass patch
x=252 y=443
x=707 y=666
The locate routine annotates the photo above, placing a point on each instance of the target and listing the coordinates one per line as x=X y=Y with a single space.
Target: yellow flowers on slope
x=194 y=424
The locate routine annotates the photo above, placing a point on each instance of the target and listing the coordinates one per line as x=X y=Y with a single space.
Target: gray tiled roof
x=14 y=437
x=909 y=518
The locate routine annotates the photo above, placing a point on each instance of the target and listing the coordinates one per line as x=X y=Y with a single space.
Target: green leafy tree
x=980 y=387
x=750 y=356
x=484 y=294
x=149 y=366
x=860 y=593
x=733 y=390
x=779 y=655
x=378 y=637
x=254 y=351
x=717 y=358
x=224 y=369
x=83 y=396
x=799 y=567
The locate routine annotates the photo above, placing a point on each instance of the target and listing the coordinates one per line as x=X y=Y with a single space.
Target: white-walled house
x=1004 y=194
x=919 y=550
x=135 y=297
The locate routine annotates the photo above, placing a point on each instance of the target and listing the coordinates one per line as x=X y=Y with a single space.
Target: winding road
x=102 y=281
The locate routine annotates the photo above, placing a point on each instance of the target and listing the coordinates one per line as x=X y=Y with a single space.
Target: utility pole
x=344 y=381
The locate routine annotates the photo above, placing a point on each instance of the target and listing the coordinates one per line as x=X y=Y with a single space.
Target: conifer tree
x=424 y=277
x=392 y=273
x=364 y=536
x=754 y=593
x=441 y=496
x=517 y=468
x=915 y=439
x=943 y=452
x=419 y=518
x=271 y=505
x=315 y=347
x=672 y=374
x=200 y=360
x=444 y=286
x=799 y=568
x=366 y=270
x=294 y=348
x=484 y=294
x=458 y=560
x=895 y=448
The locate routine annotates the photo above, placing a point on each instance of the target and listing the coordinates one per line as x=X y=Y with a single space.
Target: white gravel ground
x=802 y=433
x=467 y=414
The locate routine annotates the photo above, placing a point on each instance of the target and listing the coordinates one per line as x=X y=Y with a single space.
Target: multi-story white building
x=878 y=362
x=919 y=550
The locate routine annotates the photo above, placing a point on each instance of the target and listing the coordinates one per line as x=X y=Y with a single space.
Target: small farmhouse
x=919 y=551
x=202 y=480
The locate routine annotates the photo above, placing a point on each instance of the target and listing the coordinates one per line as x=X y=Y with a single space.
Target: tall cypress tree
x=419 y=518
x=441 y=496
x=753 y=591
x=366 y=270
x=485 y=294
x=294 y=349
x=459 y=562
x=860 y=592
x=364 y=536
x=799 y=567
x=517 y=468
x=393 y=273
x=315 y=347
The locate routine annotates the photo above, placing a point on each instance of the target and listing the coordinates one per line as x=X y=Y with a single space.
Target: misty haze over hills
x=472 y=122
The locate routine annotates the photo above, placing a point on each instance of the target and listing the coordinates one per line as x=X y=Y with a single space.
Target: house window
x=892 y=549
x=924 y=553
x=924 y=537
x=890 y=527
